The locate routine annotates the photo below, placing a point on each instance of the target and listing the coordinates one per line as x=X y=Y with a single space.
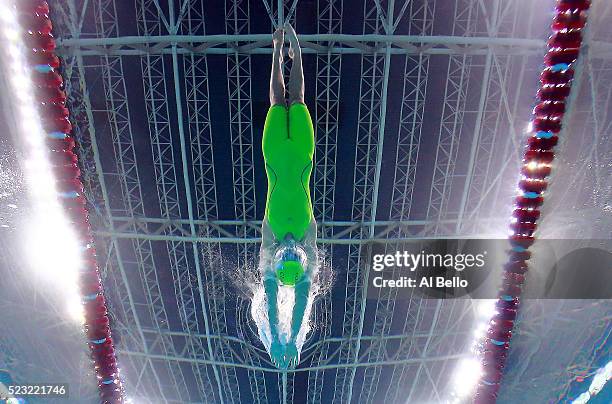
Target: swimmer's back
x=288 y=148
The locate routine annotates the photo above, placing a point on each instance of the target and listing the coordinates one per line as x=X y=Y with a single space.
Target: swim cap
x=289 y=272
x=289 y=264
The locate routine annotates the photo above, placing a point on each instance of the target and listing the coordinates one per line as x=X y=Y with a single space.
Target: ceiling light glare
x=486 y=308
x=480 y=330
x=466 y=376
x=6 y=14
x=11 y=34
x=75 y=310
x=20 y=82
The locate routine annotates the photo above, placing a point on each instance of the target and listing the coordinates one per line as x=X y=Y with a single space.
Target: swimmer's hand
x=292 y=355
x=277 y=355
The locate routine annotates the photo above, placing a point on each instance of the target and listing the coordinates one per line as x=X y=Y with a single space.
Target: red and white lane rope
x=555 y=85
x=34 y=74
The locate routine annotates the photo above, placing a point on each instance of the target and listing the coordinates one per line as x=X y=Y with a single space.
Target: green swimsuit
x=288 y=149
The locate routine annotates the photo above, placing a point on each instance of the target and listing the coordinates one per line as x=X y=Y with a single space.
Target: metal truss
x=368 y=153
x=327 y=109
x=127 y=168
x=506 y=120
x=342 y=232
x=494 y=126
x=200 y=138
x=312 y=43
x=237 y=22
x=451 y=126
x=119 y=128
x=196 y=84
x=184 y=258
x=394 y=356
x=420 y=19
x=473 y=180
x=452 y=116
x=241 y=127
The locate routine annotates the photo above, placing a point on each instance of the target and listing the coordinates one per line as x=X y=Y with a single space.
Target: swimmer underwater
x=288 y=255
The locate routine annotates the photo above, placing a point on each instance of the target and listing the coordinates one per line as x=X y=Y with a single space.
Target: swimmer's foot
x=293 y=39
x=278 y=38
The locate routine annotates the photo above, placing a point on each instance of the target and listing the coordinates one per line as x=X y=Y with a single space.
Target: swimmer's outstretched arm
x=302 y=294
x=271 y=288
x=277 y=350
x=270 y=283
x=302 y=290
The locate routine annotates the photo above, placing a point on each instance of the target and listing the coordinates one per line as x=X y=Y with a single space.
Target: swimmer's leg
x=277 y=83
x=296 y=78
x=275 y=134
x=301 y=129
x=301 y=132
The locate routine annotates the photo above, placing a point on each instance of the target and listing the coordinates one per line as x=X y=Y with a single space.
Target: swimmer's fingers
x=277 y=354
x=292 y=355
